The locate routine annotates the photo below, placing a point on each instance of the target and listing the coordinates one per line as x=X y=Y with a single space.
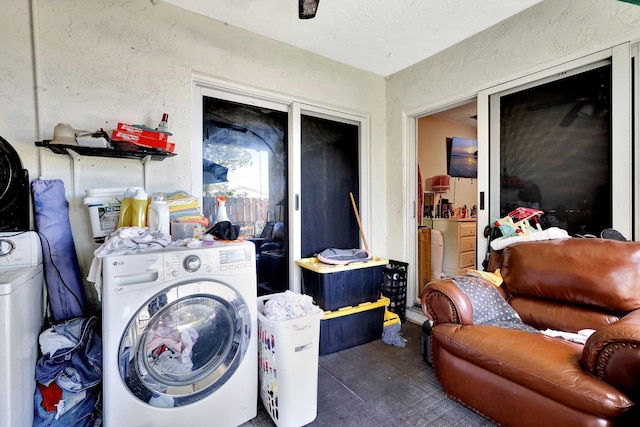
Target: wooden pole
x=355 y=210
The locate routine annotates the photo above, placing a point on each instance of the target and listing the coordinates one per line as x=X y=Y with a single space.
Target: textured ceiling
x=380 y=36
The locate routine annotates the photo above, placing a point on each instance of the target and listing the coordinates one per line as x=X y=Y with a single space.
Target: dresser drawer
x=467 y=229
x=467 y=259
x=467 y=244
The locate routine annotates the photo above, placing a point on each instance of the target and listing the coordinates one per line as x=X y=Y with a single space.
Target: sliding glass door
x=244 y=160
x=286 y=170
x=555 y=150
x=560 y=141
x=329 y=152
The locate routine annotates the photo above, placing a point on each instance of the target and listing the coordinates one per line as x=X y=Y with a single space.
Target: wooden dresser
x=459 y=244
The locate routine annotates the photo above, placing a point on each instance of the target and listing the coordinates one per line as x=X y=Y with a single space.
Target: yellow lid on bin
x=345 y=311
x=318 y=266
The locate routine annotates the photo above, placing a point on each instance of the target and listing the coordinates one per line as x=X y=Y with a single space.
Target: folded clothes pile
x=184 y=207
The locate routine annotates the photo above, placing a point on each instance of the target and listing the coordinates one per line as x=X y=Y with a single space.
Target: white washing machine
x=21 y=317
x=180 y=337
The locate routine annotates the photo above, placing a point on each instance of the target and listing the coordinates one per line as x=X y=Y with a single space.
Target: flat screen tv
x=462 y=157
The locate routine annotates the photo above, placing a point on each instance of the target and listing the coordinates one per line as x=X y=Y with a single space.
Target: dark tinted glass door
x=329 y=159
x=555 y=151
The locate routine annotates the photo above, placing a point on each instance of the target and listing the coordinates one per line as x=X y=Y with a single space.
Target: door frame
x=410 y=135
x=622 y=143
x=621 y=90
x=298 y=109
x=203 y=85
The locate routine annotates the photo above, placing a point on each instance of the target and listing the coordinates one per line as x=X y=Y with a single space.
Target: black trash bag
x=224 y=230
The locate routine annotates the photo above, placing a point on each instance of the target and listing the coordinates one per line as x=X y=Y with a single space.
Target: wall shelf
x=120 y=151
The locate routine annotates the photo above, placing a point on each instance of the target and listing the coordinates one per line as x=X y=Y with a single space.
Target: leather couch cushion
x=592 y=272
x=543 y=314
x=546 y=365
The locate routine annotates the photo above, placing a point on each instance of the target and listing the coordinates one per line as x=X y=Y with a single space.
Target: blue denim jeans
x=77 y=370
x=85 y=413
x=74 y=368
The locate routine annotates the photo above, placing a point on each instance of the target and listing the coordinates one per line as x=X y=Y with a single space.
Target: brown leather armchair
x=519 y=378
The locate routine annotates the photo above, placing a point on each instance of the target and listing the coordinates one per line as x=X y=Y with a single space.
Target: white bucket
x=104 y=209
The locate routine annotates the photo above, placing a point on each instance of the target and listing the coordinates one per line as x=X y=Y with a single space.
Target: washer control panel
x=185 y=262
x=230 y=259
x=236 y=259
x=19 y=249
x=192 y=263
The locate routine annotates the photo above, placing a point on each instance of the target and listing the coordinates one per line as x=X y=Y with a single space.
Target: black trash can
x=394 y=287
x=425 y=341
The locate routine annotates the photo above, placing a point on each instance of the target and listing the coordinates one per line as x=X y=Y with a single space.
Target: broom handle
x=355 y=210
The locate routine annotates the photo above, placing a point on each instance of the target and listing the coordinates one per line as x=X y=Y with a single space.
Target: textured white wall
x=551 y=32
x=118 y=60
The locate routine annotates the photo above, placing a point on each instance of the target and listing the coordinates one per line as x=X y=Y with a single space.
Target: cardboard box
x=138 y=139
x=145 y=133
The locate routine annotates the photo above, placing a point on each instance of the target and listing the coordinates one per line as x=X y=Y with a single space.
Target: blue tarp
x=65 y=288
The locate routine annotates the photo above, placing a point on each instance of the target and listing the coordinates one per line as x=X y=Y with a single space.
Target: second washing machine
x=179 y=337
x=21 y=318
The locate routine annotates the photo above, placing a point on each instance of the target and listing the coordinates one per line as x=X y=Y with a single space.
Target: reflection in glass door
x=244 y=158
x=555 y=148
x=329 y=156
x=286 y=169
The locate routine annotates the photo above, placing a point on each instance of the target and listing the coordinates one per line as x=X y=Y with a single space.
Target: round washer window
x=184 y=343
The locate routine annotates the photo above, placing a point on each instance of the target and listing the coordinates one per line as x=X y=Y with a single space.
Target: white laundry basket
x=288 y=366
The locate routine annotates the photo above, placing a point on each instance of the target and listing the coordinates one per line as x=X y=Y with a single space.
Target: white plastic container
x=222 y=209
x=158 y=215
x=104 y=210
x=288 y=366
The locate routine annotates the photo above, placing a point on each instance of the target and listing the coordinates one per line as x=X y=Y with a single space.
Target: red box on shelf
x=145 y=133
x=120 y=135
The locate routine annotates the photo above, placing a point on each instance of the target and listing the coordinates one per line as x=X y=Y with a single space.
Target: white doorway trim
x=206 y=86
x=410 y=136
x=619 y=57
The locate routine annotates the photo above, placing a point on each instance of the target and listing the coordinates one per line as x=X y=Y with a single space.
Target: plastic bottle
x=124 y=218
x=163 y=126
x=222 y=209
x=158 y=216
x=139 y=209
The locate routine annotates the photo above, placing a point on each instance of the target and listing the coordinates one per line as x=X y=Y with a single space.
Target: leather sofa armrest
x=612 y=354
x=444 y=302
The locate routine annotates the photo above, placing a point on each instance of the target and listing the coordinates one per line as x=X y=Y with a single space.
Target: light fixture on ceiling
x=307 y=8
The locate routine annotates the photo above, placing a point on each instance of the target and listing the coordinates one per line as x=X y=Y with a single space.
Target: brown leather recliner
x=519 y=378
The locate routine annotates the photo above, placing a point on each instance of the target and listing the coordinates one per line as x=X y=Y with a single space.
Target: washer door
x=184 y=343
x=14 y=190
